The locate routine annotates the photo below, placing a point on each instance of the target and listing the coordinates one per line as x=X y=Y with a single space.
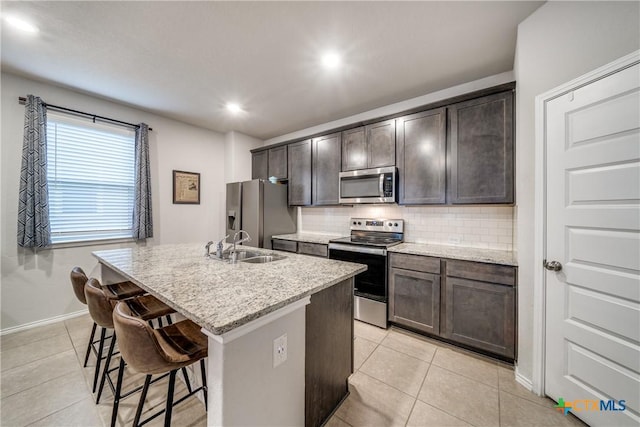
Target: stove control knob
x=354 y=223
x=359 y=223
x=396 y=224
x=390 y=224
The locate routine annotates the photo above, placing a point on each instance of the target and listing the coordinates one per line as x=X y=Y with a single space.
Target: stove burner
x=373 y=240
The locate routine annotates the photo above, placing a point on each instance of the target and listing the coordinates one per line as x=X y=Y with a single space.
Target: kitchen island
x=245 y=309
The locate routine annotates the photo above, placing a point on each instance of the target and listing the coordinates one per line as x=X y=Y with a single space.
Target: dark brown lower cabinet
x=480 y=313
x=315 y=249
x=414 y=299
x=284 y=245
x=463 y=302
x=328 y=351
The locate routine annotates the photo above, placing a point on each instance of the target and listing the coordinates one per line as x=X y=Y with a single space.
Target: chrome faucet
x=234 y=255
x=219 y=248
x=206 y=249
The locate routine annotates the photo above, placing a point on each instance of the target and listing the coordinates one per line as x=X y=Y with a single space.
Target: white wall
x=36 y=286
x=237 y=157
x=557 y=43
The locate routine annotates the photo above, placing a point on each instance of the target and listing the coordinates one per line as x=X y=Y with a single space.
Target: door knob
x=553 y=265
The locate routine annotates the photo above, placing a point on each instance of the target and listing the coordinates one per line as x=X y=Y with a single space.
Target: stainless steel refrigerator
x=259 y=208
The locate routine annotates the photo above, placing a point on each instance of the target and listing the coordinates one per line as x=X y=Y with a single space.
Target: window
x=90 y=169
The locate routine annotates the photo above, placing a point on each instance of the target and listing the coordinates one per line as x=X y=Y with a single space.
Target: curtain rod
x=22 y=100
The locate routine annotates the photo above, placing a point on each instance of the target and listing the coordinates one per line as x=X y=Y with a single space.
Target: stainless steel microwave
x=369 y=186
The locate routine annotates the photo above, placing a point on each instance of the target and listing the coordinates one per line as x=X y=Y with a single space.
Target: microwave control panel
x=388 y=185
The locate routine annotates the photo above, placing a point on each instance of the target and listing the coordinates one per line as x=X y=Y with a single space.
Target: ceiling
x=186 y=60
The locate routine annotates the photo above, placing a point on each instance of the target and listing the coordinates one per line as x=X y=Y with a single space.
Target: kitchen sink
x=226 y=255
x=242 y=255
x=261 y=259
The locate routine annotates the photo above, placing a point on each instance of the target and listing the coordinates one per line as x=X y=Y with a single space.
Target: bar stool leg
x=103 y=332
x=186 y=379
x=204 y=383
x=145 y=389
x=105 y=372
x=93 y=334
x=169 y=407
x=116 y=395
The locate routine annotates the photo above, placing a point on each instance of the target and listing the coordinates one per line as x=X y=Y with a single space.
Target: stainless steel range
x=368 y=245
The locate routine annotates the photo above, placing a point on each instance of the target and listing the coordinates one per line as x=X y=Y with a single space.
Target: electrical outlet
x=279 y=350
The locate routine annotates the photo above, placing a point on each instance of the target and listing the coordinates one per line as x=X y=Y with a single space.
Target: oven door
x=372 y=283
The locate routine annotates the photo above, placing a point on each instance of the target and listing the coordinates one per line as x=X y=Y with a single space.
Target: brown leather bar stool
x=158 y=351
x=115 y=291
x=78 y=280
x=101 y=308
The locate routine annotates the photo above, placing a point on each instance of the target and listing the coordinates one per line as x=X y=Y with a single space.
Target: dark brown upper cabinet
x=278 y=162
x=481 y=150
x=354 y=149
x=371 y=146
x=269 y=163
x=260 y=165
x=299 y=171
x=421 y=149
x=326 y=169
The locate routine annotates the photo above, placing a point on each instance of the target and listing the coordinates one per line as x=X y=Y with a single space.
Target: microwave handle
x=381 y=185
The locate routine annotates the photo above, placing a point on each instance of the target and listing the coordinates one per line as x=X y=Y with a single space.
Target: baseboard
x=48 y=321
x=524 y=381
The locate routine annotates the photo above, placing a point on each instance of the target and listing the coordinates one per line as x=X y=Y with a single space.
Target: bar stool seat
x=159 y=351
x=148 y=307
x=122 y=290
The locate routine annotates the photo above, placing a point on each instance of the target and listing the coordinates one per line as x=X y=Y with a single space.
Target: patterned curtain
x=34 y=230
x=142 y=219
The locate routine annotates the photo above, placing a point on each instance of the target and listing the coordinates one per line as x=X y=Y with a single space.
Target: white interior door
x=593 y=222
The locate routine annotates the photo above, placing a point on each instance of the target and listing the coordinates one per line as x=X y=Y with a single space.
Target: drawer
x=285 y=245
x=416 y=263
x=316 y=249
x=491 y=273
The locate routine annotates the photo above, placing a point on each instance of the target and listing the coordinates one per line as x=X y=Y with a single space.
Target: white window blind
x=90 y=170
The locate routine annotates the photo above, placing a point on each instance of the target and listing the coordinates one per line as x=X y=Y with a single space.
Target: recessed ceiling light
x=331 y=60
x=234 y=108
x=21 y=24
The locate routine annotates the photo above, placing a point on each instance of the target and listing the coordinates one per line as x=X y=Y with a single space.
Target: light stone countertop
x=220 y=296
x=457 y=252
x=309 y=237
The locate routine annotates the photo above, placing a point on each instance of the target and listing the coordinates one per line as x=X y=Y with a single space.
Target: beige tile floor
x=43 y=383
x=400 y=379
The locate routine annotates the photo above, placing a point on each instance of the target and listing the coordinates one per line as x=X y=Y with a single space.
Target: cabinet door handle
x=552 y=265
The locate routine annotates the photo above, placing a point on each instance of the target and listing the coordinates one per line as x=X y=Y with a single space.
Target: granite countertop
x=220 y=296
x=457 y=252
x=309 y=237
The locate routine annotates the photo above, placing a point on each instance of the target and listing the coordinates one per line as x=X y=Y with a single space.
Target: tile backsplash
x=489 y=227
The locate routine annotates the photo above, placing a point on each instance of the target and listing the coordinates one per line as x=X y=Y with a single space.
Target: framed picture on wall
x=186 y=187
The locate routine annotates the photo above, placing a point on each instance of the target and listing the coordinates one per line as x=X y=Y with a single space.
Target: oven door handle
x=356 y=248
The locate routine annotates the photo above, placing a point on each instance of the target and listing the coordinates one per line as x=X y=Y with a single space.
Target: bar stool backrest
x=138 y=343
x=78 y=280
x=100 y=307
